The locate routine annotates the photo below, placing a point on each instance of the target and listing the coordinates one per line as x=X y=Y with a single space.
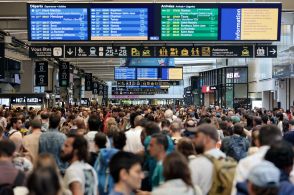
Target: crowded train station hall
x=146 y=97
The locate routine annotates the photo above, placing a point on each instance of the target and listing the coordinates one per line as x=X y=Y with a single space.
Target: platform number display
x=64 y=74
x=41 y=73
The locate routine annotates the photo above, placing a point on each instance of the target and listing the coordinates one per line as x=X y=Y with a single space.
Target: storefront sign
x=41 y=73
x=234 y=75
x=26 y=100
x=206 y=89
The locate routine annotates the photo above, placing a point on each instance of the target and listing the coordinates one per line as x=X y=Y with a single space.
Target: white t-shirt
x=133 y=143
x=83 y=173
x=90 y=136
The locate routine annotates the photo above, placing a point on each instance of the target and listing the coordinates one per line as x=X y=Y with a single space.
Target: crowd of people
x=144 y=149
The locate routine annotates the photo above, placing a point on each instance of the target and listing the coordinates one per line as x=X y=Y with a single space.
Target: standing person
x=3 y=120
x=289 y=136
x=281 y=154
x=45 y=121
x=94 y=125
x=52 y=140
x=133 y=143
x=202 y=168
x=127 y=174
x=14 y=133
x=79 y=177
x=186 y=147
x=263 y=179
x=10 y=177
x=268 y=134
x=236 y=146
x=31 y=141
x=177 y=177
x=157 y=149
x=175 y=131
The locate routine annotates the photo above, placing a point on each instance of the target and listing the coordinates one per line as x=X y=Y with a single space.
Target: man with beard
x=79 y=177
x=14 y=133
x=205 y=141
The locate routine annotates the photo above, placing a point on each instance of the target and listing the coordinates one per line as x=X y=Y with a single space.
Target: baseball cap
x=235 y=119
x=265 y=174
x=191 y=125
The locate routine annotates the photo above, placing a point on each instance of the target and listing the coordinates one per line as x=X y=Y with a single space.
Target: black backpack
x=7 y=189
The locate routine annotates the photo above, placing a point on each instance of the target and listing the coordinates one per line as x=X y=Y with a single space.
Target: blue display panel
x=159 y=62
x=54 y=22
x=147 y=73
x=119 y=24
x=123 y=73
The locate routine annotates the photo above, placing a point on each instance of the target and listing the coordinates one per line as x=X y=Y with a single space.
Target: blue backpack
x=105 y=181
x=237 y=148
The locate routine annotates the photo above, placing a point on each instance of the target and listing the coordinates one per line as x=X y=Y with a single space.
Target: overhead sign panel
x=199 y=51
x=57 y=22
x=188 y=22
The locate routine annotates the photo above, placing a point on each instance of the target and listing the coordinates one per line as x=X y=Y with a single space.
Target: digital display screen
x=249 y=24
x=119 y=24
x=188 y=22
x=147 y=73
x=159 y=62
x=154 y=22
x=54 y=22
x=124 y=73
x=171 y=74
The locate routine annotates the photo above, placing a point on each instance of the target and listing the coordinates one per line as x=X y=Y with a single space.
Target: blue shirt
x=51 y=142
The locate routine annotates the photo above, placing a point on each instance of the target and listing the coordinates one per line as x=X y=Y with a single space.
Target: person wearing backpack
x=101 y=166
x=236 y=146
x=211 y=171
x=10 y=177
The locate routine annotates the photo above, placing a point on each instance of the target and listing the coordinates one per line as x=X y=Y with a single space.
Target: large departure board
x=180 y=22
x=154 y=21
x=119 y=24
x=58 y=23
